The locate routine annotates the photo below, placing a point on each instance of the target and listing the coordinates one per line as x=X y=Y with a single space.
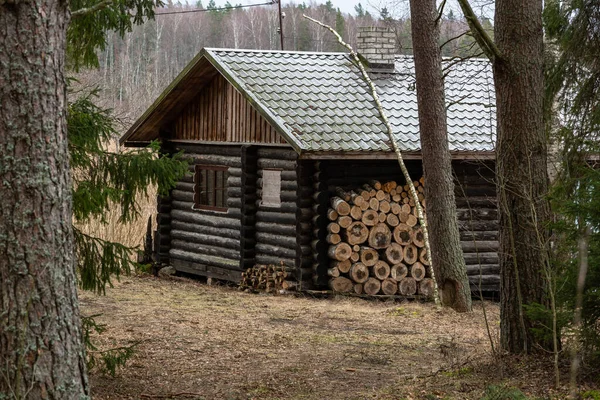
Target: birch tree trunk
x=41 y=350
x=446 y=253
x=521 y=153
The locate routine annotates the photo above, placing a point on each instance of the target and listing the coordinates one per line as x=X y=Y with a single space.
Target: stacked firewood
x=376 y=244
x=268 y=278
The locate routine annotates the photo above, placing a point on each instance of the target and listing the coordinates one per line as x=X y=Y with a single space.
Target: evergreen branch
x=390 y=133
x=92 y=9
x=481 y=36
x=98 y=260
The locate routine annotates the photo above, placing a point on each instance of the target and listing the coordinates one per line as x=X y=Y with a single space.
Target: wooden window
x=210 y=187
x=271 y=188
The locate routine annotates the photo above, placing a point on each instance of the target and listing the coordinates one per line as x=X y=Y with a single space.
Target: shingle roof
x=320 y=102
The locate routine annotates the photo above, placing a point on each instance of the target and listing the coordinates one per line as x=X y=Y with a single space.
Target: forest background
x=135 y=69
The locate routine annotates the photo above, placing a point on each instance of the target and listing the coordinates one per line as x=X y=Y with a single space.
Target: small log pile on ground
x=376 y=243
x=267 y=278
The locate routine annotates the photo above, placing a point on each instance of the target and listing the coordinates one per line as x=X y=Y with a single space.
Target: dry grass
x=207 y=342
x=130 y=234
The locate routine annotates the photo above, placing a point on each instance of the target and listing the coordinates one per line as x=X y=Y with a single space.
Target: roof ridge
x=325 y=53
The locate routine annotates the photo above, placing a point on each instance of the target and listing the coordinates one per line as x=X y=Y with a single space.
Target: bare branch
x=440 y=12
x=454 y=38
x=481 y=36
x=90 y=10
x=390 y=132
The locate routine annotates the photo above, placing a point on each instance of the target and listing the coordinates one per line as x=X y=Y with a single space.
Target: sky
x=399 y=6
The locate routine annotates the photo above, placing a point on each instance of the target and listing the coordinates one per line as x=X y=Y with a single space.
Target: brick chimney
x=377 y=45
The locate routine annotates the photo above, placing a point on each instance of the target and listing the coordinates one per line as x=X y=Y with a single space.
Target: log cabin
x=272 y=135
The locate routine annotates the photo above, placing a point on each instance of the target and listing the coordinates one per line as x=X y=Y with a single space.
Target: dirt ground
x=214 y=342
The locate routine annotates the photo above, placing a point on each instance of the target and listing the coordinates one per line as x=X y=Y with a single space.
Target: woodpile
x=376 y=244
x=267 y=278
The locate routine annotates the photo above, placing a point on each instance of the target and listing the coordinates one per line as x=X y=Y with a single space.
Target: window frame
x=200 y=187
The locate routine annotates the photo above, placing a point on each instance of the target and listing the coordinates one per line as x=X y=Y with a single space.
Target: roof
x=319 y=102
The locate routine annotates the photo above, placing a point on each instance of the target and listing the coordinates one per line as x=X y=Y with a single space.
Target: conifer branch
x=90 y=10
x=390 y=132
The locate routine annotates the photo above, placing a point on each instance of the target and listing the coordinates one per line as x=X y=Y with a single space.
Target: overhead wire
x=270 y=3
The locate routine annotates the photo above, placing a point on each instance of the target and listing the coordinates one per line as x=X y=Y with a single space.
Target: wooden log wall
x=319 y=243
x=221 y=114
x=206 y=242
x=248 y=207
x=476 y=208
x=304 y=223
x=162 y=238
x=475 y=191
x=276 y=225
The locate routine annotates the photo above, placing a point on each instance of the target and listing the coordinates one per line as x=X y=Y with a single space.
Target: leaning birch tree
x=446 y=253
x=517 y=57
x=394 y=144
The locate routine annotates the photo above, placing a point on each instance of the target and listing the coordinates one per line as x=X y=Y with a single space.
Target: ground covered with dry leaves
x=214 y=342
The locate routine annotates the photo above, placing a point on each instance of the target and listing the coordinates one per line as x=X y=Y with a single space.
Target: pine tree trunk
x=521 y=167
x=447 y=258
x=40 y=329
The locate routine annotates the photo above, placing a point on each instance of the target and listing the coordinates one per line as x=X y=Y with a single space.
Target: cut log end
x=399 y=272
x=407 y=287
x=426 y=287
x=341 y=284
x=418 y=271
x=389 y=286
x=381 y=270
x=394 y=253
x=357 y=233
x=368 y=256
x=380 y=236
x=341 y=251
x=359 y=272
x=372 y=286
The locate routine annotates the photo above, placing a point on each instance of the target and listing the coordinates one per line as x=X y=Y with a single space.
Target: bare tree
x=446 y=253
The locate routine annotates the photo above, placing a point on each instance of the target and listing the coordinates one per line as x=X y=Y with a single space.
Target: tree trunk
x=40 y=329
x=521 y=167
x=448 y=262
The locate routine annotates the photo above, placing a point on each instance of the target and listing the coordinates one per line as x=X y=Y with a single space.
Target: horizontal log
x=207 y=230
x=232 y=275
x=483 y=269
x=481 y=214
x=274 y=260
x=276 y=153
x=195 y=149
x=284 y=195
x=203 y=239
x=215 y=220
x=285 y=185
x=478 y=225
x=267 y=249
x=480 y=258
x=476 y=202
x=204 y=249
x=484 y=280
x=204 y=259
x=275 y=239
x=479 y=246
x=478 y=235
x=276 y=228
x=269 y=163
x=283 y=208
x=280 y=218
